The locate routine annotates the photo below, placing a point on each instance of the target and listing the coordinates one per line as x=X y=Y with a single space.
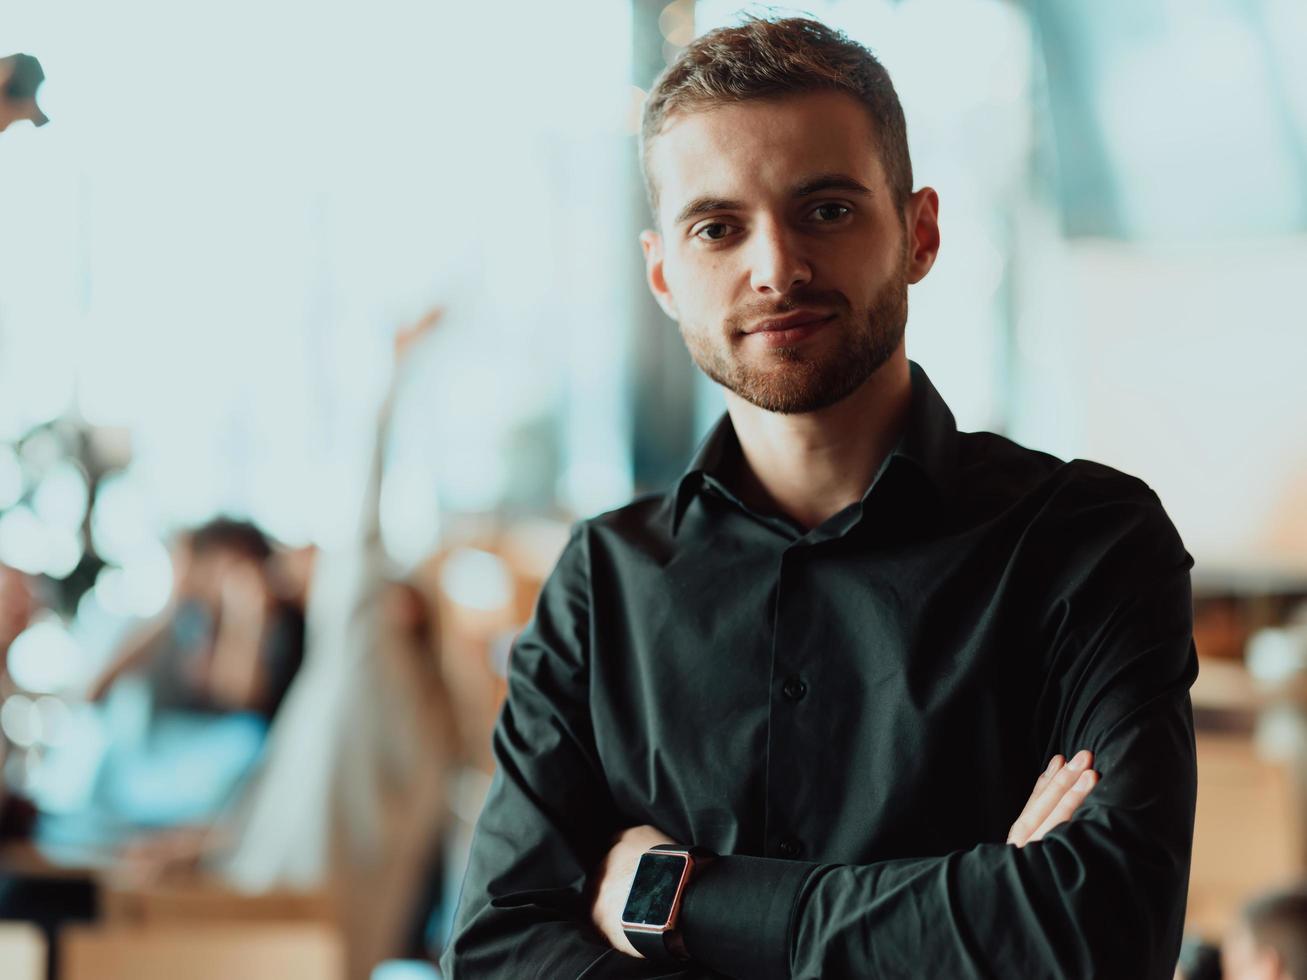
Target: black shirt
x=854 y=715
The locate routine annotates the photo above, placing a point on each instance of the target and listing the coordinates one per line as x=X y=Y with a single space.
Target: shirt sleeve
x=1102 y=895
x=548 y=819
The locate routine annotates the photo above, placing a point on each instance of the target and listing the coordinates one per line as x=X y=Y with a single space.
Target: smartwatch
x=653 y=906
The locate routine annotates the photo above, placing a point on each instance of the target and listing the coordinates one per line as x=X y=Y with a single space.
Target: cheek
x=702 y=285
x=866 y=268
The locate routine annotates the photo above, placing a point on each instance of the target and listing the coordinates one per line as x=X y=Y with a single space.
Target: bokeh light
x=61 y=497
x=45 y=658
x=141 y=586
x=477 y=579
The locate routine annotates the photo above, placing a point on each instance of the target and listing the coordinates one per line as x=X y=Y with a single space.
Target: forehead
x=760 y=147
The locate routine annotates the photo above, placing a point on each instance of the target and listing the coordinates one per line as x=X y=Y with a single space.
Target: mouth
x=788 y=330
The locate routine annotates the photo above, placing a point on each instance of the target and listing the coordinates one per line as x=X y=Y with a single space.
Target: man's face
x=780 y=208
x=1243 y=959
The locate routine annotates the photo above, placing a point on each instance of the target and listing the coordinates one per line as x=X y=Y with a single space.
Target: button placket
x=786 y=774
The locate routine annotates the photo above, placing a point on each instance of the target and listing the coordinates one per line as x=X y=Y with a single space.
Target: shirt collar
x=930 y=437
x=929 y=441
x=707 y=463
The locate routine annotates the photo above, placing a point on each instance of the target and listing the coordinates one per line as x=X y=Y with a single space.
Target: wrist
x=651 y=919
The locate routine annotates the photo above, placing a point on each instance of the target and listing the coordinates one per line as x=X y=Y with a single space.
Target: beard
x=793 y=381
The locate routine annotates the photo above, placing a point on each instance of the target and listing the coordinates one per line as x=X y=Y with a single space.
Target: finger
x=1068 y=805
x=1040 y=803
x=1019 y=831
x=1054 y=764
x=1058 y=786
x=1043 y=801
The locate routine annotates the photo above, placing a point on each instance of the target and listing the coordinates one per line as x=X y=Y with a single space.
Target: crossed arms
x=1101 y=895
x=1058 y=793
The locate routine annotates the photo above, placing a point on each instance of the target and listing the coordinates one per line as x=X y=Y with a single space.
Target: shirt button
x=789 y=847
x=794 y=689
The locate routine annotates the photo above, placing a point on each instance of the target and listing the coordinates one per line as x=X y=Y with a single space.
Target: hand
x=615 y=875
x=234 y=674
x=406 y=338
x=1057 y=794
x=243 y=596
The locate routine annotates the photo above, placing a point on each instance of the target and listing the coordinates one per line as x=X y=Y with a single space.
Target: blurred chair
x=1246 y=829
x=199 y=902
x=486 y=580
x=22 y=951
x=300 y=951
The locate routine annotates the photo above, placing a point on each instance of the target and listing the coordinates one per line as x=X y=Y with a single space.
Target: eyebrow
x=813 y=185
x=830 y=182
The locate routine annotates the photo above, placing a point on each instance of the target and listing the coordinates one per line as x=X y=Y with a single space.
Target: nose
x=776 y=261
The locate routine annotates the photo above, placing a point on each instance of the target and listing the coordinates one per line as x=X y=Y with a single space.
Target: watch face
x=653 y=892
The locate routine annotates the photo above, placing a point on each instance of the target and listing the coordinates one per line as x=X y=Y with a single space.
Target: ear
x=652 y=244
x=922 y=221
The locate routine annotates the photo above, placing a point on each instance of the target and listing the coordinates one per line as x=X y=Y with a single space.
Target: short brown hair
x=229 y=534
x=762 y=59
x=1279 y=920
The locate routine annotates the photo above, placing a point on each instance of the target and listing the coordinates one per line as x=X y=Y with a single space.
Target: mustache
x=740 y=319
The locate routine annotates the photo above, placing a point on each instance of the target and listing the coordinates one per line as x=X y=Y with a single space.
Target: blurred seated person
x=189 y=696
x=350 y=797
x=1269 y=940
x=227 y=641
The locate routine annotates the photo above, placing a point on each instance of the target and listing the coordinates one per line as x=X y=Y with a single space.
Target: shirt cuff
x=737 y=916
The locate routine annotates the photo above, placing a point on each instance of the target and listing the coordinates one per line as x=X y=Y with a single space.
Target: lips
x=789 y=330
x=791 y=321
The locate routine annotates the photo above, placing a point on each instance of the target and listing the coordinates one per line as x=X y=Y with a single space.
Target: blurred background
x=319 y=324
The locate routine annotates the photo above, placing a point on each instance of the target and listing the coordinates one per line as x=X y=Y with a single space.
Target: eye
x=712 y=237
x=831 y=207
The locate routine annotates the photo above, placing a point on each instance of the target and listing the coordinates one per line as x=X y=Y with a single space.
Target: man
x=1269 y=940
x=20 y=77
x=839 y=651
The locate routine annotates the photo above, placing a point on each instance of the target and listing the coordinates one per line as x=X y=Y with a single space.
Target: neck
x=813 y=465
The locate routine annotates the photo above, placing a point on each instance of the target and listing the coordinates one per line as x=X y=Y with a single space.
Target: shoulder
x=994 y=466
x=641 y=527
x=596 y=551
x=1071 y=504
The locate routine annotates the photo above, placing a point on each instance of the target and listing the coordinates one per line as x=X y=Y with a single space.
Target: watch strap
x=657 y=946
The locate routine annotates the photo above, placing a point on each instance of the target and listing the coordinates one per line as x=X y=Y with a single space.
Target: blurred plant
x=49 y=482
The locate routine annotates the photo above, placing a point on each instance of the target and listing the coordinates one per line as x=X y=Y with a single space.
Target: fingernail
x=1080 y=759
x=1086 y=781
x=1053 y=765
